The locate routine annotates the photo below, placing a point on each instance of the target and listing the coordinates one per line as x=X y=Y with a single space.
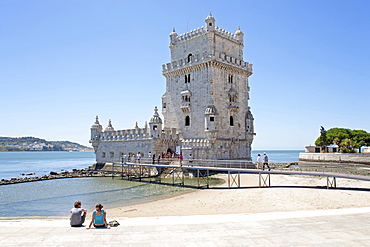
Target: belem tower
x=205 y=107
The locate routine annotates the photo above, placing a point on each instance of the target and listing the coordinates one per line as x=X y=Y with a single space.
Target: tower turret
x=173 y=37
x=211 y=121
x=96 y=130
x=155 y=124
x=109 y=127
x=239 y=35
x=249 y=125
x=210 y=22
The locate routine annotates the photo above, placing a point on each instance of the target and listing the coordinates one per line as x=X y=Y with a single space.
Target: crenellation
x=204 y=57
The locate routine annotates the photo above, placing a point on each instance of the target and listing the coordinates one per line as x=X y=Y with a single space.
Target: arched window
x=230 y=78
x=187 y=78
x=187 y=121
x=155 y=127
x=189 y=57
x=231 y=121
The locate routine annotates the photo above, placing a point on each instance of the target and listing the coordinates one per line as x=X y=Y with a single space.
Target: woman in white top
x=259 y=162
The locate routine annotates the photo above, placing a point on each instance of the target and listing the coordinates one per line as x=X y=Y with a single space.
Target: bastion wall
x=336 y=157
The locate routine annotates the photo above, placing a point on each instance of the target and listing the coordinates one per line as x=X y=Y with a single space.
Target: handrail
x=324 y=168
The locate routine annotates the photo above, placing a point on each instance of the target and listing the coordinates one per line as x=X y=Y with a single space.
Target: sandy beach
x=288 y=193
x=298 y=211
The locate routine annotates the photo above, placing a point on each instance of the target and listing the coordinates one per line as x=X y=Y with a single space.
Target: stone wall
x=336 y=157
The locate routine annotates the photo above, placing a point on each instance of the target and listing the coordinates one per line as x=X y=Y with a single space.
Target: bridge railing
x=355 y=169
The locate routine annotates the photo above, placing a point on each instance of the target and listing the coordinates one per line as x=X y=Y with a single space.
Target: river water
x=56 y=197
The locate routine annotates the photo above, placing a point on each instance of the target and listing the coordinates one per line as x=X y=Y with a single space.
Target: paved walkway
x=338 y=227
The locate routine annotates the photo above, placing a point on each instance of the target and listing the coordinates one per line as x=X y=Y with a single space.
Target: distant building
x=322 y=149
x=205 y=107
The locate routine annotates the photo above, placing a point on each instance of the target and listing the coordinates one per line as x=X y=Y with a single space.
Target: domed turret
x=239 y=35
x=96 y=124
x=210 y=22
x=96 y=130
x=210 y=118
x=156 y=118
x=173 y=37
x=211 y=109
x=155 y=124
x=109 y=127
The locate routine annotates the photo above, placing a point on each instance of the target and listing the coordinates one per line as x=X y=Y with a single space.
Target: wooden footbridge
x=174 y=173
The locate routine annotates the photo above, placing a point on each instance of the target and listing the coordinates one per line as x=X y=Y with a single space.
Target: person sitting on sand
x=99 y=217
x=78 y=215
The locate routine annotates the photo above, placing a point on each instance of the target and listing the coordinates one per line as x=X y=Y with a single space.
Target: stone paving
x=337 y=227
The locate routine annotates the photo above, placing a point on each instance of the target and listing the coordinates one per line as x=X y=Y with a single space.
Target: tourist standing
x=78 y=214
x=159 y=158
x=138 y=157
x=259 y=162
x=181 y=158
x=190 y=160
x=265 y=162
x=153 y=158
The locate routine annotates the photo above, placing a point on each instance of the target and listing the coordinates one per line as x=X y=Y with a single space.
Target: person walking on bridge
x=259 y=162
x=265 y=162
x=190 y=160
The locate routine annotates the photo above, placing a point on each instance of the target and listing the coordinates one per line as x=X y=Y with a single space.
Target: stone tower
x=207 y=93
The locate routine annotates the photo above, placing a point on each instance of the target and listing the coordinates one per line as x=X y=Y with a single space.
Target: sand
x=288 y=193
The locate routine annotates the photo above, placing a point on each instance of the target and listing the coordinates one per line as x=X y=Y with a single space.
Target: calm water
x=14 y=164
x=56 y=197
x=278 y=155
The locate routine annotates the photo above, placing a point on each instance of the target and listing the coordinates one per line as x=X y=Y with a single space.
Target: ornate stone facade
x=205 y=106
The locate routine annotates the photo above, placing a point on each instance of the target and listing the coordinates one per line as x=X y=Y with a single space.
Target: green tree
x=346 y=139
x=360 y=138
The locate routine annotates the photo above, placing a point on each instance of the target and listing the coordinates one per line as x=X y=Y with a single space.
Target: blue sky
x=64 y=62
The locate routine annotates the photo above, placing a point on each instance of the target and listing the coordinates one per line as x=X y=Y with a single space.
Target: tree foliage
x=347 y=140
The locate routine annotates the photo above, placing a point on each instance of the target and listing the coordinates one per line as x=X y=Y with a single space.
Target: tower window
x=231 y=121
x=185 y=98
x=189 y=57
x=211 y=119
x=231 y=78
x=187 y=78
x=187 y=121
x=155 y=127
x=210 y=24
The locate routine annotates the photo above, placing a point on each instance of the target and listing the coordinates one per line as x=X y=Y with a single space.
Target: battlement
x=190 y=35
x=128 y=134
x=195 y=33
x=204 y=57
x=133 y=134
x=227 y=35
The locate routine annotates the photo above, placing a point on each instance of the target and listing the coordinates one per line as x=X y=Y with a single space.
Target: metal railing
x=354 y=169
